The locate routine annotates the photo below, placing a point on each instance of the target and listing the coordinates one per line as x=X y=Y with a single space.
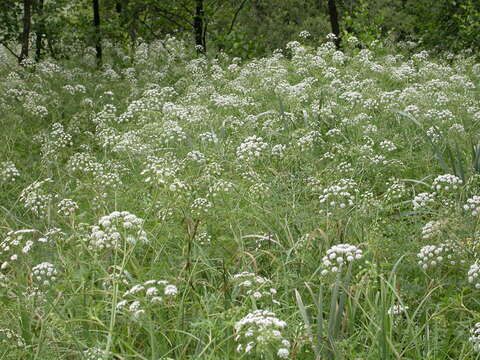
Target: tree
x=198 y=27
x=39 y=31
x=333 y=14
x=27 y=21
x=97 y=35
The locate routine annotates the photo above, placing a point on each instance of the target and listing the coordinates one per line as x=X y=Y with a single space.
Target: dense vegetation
x=247 y=28
x=313 y=204
x=205 y=179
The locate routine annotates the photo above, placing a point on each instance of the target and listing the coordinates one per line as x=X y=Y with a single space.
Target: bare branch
x=9 y=50
x=236 y=15
x=166 y=12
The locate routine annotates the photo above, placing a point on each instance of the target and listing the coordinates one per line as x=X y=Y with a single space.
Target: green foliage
x=231 y=167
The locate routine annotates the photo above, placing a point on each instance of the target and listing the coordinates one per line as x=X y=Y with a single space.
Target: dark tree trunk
x=198 y=26
x=96 y=25
x=333 y=12
x=27 y=20
x=40 y=31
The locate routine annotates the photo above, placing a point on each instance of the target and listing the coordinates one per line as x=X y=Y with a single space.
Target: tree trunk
x=332 y=10
x=96 y=25
x=40 y=31
x=198 y=27
x=27 y=20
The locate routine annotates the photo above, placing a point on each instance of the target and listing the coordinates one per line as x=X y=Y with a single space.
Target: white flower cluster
x=252 y=147
x=220 y=187
x=473 y=205
x=434 y=134
x=473 y=275
x=208 y=137
x=388 y=146
x=93 y=354
x=423 y=200
x=67 y=207
x=8 y=172
x=50 y=235
x=432 y=229
x=116 y=275
x=140 y=296
x=172 y=133
x=197 y=157
x=160 y=171
x=279 y=150
x=200 y=206
x=338 y=255
x=113 y=228
x=260 y=330
x=433 y=255
x=304 y=34
x=44 y=273
x=251 y=284
x=180 y=187
x=447 y=182
x=474 y=338
x=397 y=310
x=9 y=338
x=307 y=141
x=35 y=198
x=396 y=189
x=16 y=244
x=259 y=189
x=55 y=141
x=339 y=196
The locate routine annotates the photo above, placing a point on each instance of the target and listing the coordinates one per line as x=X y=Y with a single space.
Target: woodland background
x=246 y=28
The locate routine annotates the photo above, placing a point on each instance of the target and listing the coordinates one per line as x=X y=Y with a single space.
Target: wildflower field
x=313 y=204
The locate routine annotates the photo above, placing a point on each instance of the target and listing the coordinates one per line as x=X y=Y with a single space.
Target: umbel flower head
x=260 y=331
x=141 y=296
x=251 y=284
x=338 y=255
x=112 y=230
x=475 y=337
x=44 y=274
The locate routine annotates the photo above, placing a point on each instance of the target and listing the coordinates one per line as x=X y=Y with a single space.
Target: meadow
x=312 y=204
